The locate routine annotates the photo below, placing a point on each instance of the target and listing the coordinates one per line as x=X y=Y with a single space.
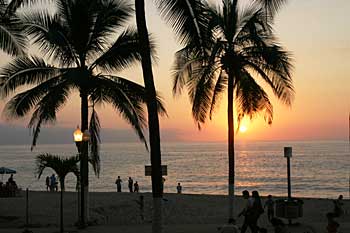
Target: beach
x=119 y=212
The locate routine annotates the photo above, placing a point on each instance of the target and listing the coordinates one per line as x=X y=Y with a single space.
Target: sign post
x=288 y=155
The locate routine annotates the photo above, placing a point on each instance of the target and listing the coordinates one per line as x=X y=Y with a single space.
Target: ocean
x=318 y=168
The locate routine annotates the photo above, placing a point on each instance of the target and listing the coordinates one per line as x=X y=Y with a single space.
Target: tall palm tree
x=153 y=120
x=77 y=42
x=61 y=166
x=238 y=53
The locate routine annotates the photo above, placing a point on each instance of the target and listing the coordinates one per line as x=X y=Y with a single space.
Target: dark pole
x=61 y=211
x=81 y=205
x=288 y=155
x=27 y=207
x=82 y=182
x=289 y=184
x=27 y=213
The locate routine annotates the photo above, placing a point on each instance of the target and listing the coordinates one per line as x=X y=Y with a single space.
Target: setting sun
x=243 y=128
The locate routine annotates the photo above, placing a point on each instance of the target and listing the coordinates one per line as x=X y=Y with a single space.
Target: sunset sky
x=317 y=32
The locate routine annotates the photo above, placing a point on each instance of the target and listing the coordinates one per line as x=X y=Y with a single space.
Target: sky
x=316 y=32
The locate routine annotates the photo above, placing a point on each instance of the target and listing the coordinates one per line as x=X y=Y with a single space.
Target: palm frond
x=25 y=71
x=188 y=18
x=51 y=35
x=14 y=5
x=200 y=88
x=123 y=53
x=253 y=28
x=95 y=141
x=79 y=18
x=12 y=38
x=272 y=6
x=47 y=108
x=109 y=17
x=274 y=65
x=61 y=165
x=251 y=99
x=19 y=105
x=185 y=63
x=126 y=97
x=220 y=87
x=229 y=18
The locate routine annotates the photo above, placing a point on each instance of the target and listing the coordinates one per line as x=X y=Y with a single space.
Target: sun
x=243 y=128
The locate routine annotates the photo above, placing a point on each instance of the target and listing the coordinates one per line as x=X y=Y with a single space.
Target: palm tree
x=153 y=120
x=184 y=11
x=238 y=53
x=76 y=41
x=61 y=166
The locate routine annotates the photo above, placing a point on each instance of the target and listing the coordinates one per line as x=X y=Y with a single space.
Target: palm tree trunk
x=153 y=121
x=84 y=161
x=61 y=205
x=231 y=145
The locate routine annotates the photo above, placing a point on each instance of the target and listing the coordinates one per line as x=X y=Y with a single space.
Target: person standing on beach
x=130 y=184
x=52 y=182
x=270 y=204
x=118 y=182
x=163 y=181
x=136 y=187
x=179 y=188
x=47 y=182
x=338 y=206
x=247 y=212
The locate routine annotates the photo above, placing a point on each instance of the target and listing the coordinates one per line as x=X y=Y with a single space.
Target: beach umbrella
x=5 y=170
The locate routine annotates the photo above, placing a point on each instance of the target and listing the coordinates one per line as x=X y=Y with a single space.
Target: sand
x=119 y=212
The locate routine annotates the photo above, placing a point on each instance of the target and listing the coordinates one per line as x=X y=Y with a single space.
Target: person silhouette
x=52 y=182
x=136 y=187
x=47 y=183
x=248 y=214
x=338 y=206
x=179 y=188
x=130 y=184
x=118 y=182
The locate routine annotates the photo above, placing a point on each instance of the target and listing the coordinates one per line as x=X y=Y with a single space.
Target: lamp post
x=288 y=155
x=81 y=141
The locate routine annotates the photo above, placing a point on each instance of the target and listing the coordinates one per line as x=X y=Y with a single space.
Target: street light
x=78 y=138
x=81 y=141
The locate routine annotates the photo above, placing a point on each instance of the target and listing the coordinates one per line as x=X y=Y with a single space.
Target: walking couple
x=251 y=212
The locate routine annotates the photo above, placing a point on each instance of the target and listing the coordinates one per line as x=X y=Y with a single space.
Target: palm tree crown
x=241 y=46
x=76 y=41
x=62 y=166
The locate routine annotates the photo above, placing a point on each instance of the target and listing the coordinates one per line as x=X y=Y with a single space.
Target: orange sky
x=318 y=34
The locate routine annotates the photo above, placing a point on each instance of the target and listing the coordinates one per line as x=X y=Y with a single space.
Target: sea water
x=318 y=168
